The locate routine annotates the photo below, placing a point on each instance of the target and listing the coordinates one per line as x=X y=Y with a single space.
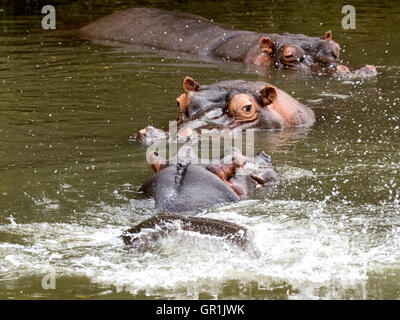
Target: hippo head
x=239 y=105
x=234 y=105
x=320 y=55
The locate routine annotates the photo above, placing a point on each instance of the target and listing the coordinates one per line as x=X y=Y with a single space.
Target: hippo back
x=157 y=28
x=187 y=189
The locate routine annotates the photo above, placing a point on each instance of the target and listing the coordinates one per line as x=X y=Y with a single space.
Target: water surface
x=69 y=177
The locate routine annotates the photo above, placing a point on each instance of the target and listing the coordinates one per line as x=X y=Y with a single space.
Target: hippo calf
x=235 y=105
x=183 y=32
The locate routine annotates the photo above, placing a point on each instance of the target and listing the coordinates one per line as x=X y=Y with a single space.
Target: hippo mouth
x=259 y=180
x=255 y=180
x=264 y=172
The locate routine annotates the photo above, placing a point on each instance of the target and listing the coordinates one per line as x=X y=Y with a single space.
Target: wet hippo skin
x=164 y=223
x=184 y=32
x=187 y=189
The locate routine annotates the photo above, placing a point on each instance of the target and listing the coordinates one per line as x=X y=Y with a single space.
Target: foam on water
x=307 y=249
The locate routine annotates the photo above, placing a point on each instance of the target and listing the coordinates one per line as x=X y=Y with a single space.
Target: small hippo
x=183 y=32
x=236 y=105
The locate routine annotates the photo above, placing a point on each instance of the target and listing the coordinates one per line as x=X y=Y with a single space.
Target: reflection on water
x=69 y=177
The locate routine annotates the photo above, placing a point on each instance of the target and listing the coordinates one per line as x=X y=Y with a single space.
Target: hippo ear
x=327 y=35
x=267 y=45
x=268 y=95
x=190 y=85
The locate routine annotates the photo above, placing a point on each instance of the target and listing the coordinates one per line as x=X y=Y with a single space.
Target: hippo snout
x=363 y=72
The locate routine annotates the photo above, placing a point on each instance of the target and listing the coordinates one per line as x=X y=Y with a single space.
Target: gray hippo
x=236 y=104
x=183 y=189
x=183 y=32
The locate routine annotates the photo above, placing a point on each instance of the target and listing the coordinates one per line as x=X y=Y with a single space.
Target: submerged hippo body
x=183 y=32
x=181 y=190
x=236 y=105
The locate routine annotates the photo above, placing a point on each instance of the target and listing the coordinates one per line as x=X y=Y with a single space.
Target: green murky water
x=69 y=177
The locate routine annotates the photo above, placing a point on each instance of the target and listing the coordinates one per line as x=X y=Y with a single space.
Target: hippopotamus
x=185 y=188
x=184 y=32
x=241 y=173
x=178 y=186
x=236 y=105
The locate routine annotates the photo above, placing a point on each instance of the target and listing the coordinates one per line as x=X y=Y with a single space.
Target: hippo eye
x=178 y=104
x=247 y=108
